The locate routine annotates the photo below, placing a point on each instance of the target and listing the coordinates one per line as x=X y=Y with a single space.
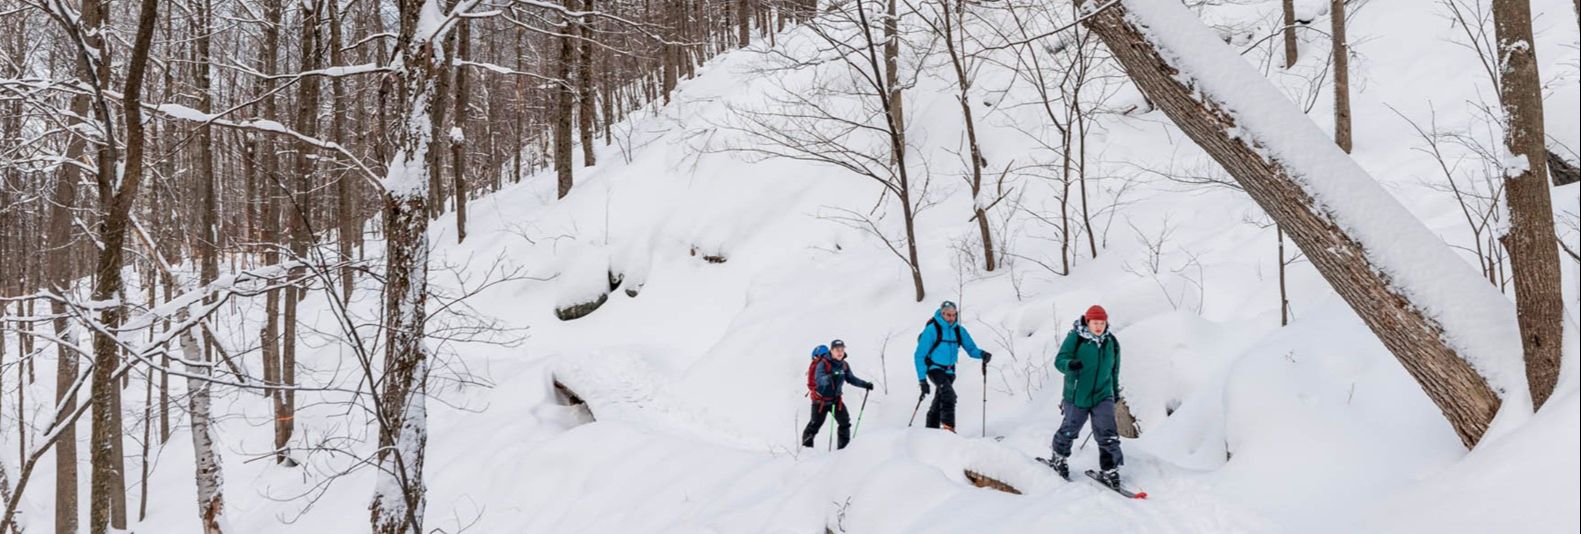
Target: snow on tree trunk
x=1534 y=260
x=458 y=140
x=210 y=480
x=398 y=498
x=1451 y=331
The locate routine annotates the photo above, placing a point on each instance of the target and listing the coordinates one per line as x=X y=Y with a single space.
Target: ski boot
x=1060 y=465
x=1111 y=478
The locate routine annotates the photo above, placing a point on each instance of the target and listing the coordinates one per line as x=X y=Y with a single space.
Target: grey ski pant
x=1103 y=425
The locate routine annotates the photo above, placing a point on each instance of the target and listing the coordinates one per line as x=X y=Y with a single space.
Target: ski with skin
x=1120 y=490
x=1050 y=463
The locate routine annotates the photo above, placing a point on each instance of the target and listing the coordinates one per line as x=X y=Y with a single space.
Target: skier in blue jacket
x=826 y=378
x=938 y=348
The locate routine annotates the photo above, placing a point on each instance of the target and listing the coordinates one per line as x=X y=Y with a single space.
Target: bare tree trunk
x=148 y=425
x=66 y=371
x=1080 y=123
x=398 y=500
x=116 y=191
x=1416 y=340
x=268 y=188
x=300 y=214
x=895 y=123
x=1064 y=197
x=458 y=143
x=671 y=51
x=441 y=137
x=1284 y=298
x=744 y=22
x=5 y=493
x=61 y=276
x=345 y=194
x=565 y=106
x=208 y=478
x=585 y=87
x=963 y=96
x=1534 y=259
x=892 y=79
x=1341 y=77
x=1292 y=54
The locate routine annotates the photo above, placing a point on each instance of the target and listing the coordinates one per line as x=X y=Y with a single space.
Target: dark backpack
x=938 y=337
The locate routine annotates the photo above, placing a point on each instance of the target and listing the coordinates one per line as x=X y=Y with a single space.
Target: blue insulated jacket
x=948 y=346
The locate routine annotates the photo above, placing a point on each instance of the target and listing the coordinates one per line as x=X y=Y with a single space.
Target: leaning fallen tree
x=1451 y=331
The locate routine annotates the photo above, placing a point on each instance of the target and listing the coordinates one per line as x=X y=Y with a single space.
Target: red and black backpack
x=812 y=377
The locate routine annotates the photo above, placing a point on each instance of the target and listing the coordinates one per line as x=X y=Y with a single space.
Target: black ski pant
x=1103 y=426
x=943 y=408
x=820 y=411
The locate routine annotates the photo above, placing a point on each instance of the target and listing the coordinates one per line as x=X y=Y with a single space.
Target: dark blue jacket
x=831 y=375
x=948 y=348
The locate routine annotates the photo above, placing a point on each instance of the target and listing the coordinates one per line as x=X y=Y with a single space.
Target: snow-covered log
x=1450 y=330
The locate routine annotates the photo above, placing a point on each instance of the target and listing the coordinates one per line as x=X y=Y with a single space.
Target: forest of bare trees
x=164 y=160
x=214 y=150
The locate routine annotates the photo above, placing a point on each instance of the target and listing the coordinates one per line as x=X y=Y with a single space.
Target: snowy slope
x=695 y=388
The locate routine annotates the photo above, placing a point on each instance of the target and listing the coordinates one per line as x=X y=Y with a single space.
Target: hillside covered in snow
x=715 y=253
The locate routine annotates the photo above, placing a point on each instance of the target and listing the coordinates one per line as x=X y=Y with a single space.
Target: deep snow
x=696 y=383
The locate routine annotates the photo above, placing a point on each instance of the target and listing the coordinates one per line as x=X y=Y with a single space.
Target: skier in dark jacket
x=938 y=348
x=827 y=378
x=1090 y=361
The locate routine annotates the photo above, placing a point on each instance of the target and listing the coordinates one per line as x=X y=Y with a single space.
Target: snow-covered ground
x=695 y=385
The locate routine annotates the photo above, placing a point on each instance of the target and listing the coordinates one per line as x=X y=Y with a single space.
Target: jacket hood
x=938 y=315
x=1081 y=330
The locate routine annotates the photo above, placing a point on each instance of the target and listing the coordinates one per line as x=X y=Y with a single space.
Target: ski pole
x=985 y=399
x=859 y=412
x=915 y=408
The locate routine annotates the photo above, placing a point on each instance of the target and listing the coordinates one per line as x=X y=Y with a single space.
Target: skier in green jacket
x=1090 y=361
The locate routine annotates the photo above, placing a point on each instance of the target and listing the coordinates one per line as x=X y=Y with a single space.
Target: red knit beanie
x=1096 y=313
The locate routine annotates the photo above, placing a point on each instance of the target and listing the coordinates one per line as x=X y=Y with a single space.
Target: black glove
x=868 y=386
x=987 y=356
x=1074 y=366
x=924 y=384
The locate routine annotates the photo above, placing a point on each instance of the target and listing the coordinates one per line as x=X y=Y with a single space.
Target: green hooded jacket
x=1099 y=377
